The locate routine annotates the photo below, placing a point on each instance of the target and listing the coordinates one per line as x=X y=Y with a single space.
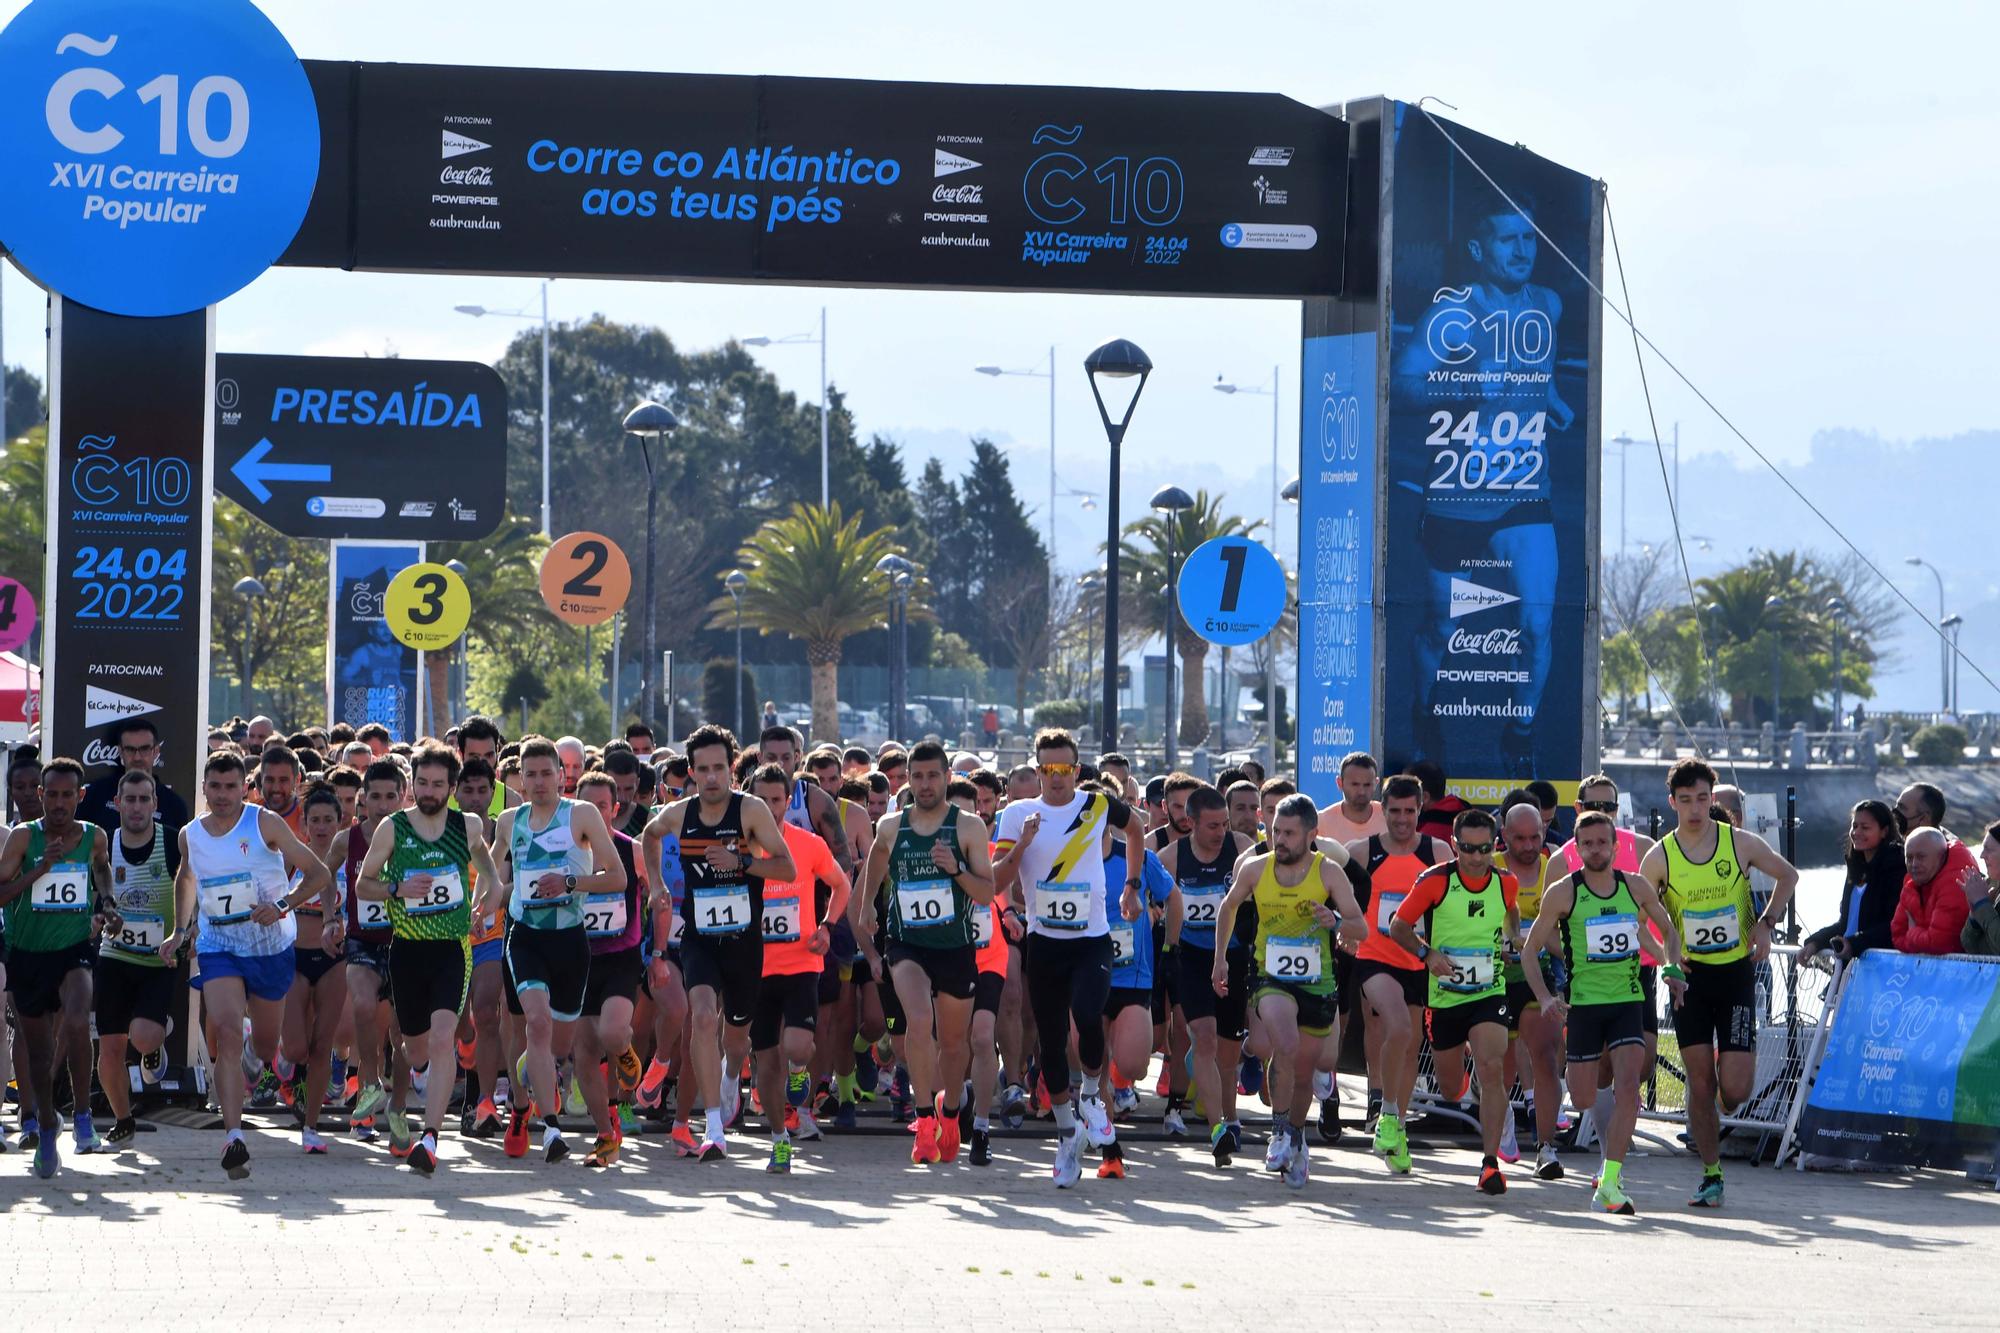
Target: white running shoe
x=1279 y=1150
x=1298 y=1167
x=1174 y=1124
x=1069 y=1159
x=808 y=1129
x=732 y=1099
x=1510 y=1145
x=1096 y=1122
x=1322 y=1085
x=310 y=1141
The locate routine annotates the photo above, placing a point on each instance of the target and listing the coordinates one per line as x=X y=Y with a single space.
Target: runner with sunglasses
x=1051 y=845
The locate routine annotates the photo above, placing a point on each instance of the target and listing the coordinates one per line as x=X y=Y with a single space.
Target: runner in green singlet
x=1593 y=917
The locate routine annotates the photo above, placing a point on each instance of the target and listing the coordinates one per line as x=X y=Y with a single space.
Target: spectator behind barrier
x=1932 y=911
x=1981 y=933
x=1873 y=887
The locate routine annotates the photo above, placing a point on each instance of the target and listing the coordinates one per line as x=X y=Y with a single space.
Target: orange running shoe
x=924 y=1147
x=791 y=1119
x=651 y=1084
x=628 y=1071
x=947 y=1132
x=467 y=1054
x=684 y=1144
x=516 y=1142
x=1113 y=1165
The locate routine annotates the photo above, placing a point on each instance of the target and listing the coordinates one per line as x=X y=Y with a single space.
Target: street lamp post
x=1951 y=625
x=1169 y=501
x=807 y=340
x=736 y=582
x=249 y=589
x=1944 y=648
x=1090 y=585
x=649 y=420
x=1773 y=604
x=478 y=311
x=1050 y=376
x=902 y=581
x=900 y=572
x=1271 y=670
x=1117 y=359
x=1836 y=611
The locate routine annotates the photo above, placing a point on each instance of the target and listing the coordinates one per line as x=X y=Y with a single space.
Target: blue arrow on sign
x=253 y=471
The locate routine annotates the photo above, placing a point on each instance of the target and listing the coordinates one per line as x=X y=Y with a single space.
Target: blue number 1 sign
x=1232 y=591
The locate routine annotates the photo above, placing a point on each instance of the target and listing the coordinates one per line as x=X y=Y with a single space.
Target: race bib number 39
x=1611 y=939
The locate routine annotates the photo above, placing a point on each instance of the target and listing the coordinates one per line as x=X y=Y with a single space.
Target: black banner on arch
x=736 y=178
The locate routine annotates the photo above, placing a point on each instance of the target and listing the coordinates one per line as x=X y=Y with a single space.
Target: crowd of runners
x=709 y=936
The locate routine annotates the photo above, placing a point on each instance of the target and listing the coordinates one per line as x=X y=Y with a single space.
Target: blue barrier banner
x=1911 y=1073
x=371 y=677
x=1486 y=458
x=1337 y=483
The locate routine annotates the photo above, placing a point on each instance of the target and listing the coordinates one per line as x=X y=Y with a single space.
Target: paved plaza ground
x=157 y=1237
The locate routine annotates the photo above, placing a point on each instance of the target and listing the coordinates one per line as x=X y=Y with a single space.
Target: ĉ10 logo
x=1061 y=187
x=97 y=478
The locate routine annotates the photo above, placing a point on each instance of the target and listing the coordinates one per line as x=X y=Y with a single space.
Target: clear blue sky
x=1803 y=193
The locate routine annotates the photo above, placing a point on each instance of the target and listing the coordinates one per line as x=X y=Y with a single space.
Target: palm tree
x=23 y=463
x=813 y=577
x=1142 y=572
x=503 y=576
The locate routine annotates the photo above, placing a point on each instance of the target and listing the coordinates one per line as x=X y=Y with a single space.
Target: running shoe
x=1323 y=1086
x=1298 y=1169
x=1069 y=1159
x=1279 y=1150
x=1709 y=1193
x=1173 y=1123
x=264 y=1092
x=712 y=1150
x=516 y=1142
x=420 y=1082
x=371 y=1099
x=981 y=1152
x=468 y=1053
x=1164 y=1085
x=122 y=1132
x=1388 y=1131
x=1234 y=1130
x=627 y=1122
x=924 y=1146
x=1112 y=1167
x=1330 y=1129
x=1124 y=1102
x=554 y=1146
x=732 y=1100
x=950 y=1133
x=781 y=1158
x=603 y=1153
x=844 y=1117
x=87 y=1138
x=423 y=1156
x=1510 y=1143
x=683 y=1141
x=1491 y=1181
x=1096 y=1122
x=1611 y=1199
x=1218 y=1143
x=573 y=1098
x=803 y=1127
x=349 y=1091
x=364 y=1130
x=311 y=1142
x=652 y=1084
x=400 y=1138
x=1250 y=1077
x=798 y=1087
x=1399 y=1158
x=485 y=1120
x=1374 y=1108
x=290 y=1090
x=1548 y=1163
x=626 y=1071
x=235 y=1159
x=48 y=1157
x=1013 y=1105
x=151 y=1065
x=866 y=1073
x=826 y=1102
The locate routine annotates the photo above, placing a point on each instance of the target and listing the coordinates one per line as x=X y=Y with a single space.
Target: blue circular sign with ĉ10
x=159 y=154
x=1232 y=591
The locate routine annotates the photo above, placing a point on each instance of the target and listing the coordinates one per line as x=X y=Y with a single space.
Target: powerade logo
x=421 y=407
x=158 y=156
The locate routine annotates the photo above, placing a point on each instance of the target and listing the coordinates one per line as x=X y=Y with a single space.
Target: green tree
x=1143 y=594
x=27 y=405
x=276 y=641
x=813 y=578
x=510 y=622
x=23 y=512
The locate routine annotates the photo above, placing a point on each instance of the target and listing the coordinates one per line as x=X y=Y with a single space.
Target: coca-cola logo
x=958 y=194
x=1491 y=643
x=100 y=753
x=466 y=176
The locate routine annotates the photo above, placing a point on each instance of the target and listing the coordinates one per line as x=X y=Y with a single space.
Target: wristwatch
x=1423 y=951
x=661 y=955
x=569 y=883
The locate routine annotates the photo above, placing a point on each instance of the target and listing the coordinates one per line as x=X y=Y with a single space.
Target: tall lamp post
x=1115 y=360
x=1944 y=648
x=1271 y=672
x=650 y=422
x=1712 y=615
x=1951 y=625
x=899 y=571
x=1169 y=502
x=903 y=579
x=458 y=696
x=807 y=340
x=1090 y=585
x=480 y=311
x=1836 y=611
x=736 y=581
x=1050 y=376
x=249 y=589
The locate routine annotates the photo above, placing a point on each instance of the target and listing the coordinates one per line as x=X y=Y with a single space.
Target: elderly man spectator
x=1933 y=909
x=1981 y=933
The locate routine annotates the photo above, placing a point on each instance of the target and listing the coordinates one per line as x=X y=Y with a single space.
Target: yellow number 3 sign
x=427 y=606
